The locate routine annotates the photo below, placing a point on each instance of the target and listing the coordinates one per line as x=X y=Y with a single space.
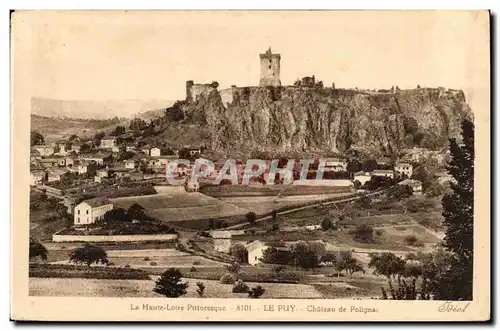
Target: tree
x=370 y=165
x=458 y=213
x=234 y=267
x=256 y=292
x=37 y=250
x=136 y=211
x=239 y=253
x=89 y=254
x=119 y=130
x=200 y=289
x=170 y=284
x=251 y=217
x=399 y=192
x=36 y=138
x=354 y=166
x=326 y=223
x=308 y=254
x=349 y=262
x=386 y=264
x=85 y=148
x=363 y=233
x=116 y=215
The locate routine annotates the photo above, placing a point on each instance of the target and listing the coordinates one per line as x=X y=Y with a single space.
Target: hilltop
x=298 y=119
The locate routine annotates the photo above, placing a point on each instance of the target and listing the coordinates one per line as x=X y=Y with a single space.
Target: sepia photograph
x=290 y=161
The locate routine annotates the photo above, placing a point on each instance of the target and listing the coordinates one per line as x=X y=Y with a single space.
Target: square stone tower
x=270 y=69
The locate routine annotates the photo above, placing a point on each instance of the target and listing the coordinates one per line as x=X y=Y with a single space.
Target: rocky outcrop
x=326 y=120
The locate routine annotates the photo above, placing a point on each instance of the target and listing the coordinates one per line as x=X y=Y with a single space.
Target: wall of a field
x=114 y=238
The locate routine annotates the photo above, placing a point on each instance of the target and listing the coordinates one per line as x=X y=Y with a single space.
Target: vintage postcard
x=250 y=166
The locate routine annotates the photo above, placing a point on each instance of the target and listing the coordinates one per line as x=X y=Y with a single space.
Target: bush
x=412 y=240
x=127 y=266
x=196 y=263
x=378 y=233
x=363 y=233
x=256 y=292
x=200 y=289
x=193 y=269
x=234 y=267
x=240 y=287
x=146 y=258
x=152 y=263
x=227 y=279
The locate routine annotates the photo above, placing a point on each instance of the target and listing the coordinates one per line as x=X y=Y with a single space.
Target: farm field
x=176 y=207
x=144 y=288
x=266 y=204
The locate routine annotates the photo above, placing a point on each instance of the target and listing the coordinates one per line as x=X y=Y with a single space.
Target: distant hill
x=152 y=114
x=56 y=128
x=83 y=109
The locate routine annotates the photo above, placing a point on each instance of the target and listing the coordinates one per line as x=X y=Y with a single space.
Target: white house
x=255 y=251
x=405 y=169
x=55 y=175
x=155 y=151
x=383 y=173
x=97 y=158
x=36 y=177
x=362 y=177
x=222 y=241
x=108 y=143
x=90 y=211
x=130 y=164
x=115 y=149
x=335 y=164
x=102 y=173
x=82 y=168
x=415 y=185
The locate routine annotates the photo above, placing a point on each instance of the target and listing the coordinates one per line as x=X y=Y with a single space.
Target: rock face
x=328 y=120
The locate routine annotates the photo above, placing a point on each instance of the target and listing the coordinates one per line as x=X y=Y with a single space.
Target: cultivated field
x=179 y=206
x=144 y=288
x=266 y=204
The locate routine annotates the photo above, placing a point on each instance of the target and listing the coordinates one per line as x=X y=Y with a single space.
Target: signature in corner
x=453 y=306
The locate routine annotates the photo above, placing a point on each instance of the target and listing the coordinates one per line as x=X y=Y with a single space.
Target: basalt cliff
x=326 y=120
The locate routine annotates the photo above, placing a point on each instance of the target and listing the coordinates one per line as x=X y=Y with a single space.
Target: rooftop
x=97 y=202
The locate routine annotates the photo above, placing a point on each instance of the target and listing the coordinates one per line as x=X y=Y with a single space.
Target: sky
x=150 y=55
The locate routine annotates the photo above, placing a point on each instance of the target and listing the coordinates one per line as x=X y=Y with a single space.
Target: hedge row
x=290 y=277
x=75 y=271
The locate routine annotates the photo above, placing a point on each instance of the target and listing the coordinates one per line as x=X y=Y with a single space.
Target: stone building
x=270 y=69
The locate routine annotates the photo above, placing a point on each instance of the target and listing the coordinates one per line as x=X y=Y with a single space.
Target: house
x=155 y=151
x=69 y=161
x=130 y=164
x=49 y=162
x=383 y=173
x=60 y=146
x=335 y=164
x=44 y=150
x=61 y=162
x=98 y=158
x=82 y=168
x=115 y=149
x=255 y=251
x=55 y=175
x=415 y=185
x=130 y=147
x=192 y=186
x=108 y=142
x=89 y=211
x=103 y=173
x=76 y=147
x=362 y=177
x=404 y=169
x=37 y=176
x=222 y=241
